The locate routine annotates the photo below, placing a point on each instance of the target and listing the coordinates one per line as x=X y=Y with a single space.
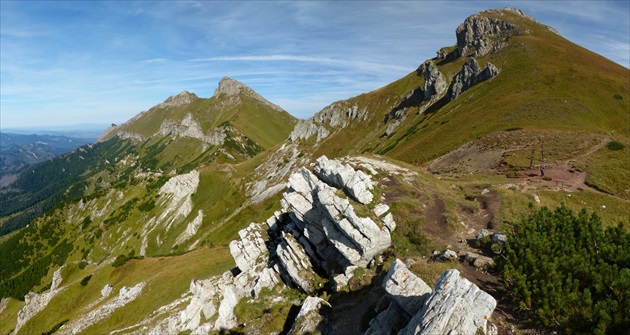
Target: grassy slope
x=546 y=82
x=167 y=279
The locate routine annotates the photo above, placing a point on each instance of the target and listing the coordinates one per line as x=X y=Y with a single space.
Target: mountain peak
x=180 y=99
x=233 y=88
x=230 y=87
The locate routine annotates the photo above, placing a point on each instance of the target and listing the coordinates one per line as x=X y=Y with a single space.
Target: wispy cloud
x=77 y=62
x=348 y=63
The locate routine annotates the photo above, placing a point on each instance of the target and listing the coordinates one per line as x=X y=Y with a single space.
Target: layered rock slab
x=310 y=316
x=405 y=288
x=456 y=306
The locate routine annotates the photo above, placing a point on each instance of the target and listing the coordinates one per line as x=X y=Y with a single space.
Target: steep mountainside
x=175 y=136
x=388 y=213
x=509 y=86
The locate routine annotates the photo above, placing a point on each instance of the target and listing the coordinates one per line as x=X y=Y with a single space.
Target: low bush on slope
x=569 y=272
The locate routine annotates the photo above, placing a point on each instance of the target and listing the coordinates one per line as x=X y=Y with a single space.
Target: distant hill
x=18 y=151
x=82 y=130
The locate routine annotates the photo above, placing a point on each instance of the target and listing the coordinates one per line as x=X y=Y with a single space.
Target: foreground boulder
x=311 y=316
x=406 y=294
x=405 y=288
x=456 y=306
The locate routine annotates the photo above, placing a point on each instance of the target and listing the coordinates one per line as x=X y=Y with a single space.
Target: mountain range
x=18 y=151
x=386 y=213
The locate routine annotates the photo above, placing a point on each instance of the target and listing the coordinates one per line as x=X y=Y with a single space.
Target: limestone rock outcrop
x=406 y=294
x=327 y=224
x=434 y=81
x=35 y=303
x=405 y=288
x=481 y=35
x=337 y=115
x=388 y=321
x=295 y=262
x=309 y=317
x=215 y=298
x=305 y=129
x=456 y=306
x=470 y=74
x=181 y=99
x=248 y=250
x=107 y=290
x=191 y=128
x=125 y=296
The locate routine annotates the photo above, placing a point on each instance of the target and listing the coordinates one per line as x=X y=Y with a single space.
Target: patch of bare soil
x=557 y=176
x=505 y=316
x=435 y=221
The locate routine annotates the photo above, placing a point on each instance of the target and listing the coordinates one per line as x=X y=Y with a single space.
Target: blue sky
x=100 y=62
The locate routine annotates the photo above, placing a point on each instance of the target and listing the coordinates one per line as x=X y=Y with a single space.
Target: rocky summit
x=479 y=194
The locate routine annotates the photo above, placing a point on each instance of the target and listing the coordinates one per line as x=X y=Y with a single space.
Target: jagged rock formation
x=296 y=266
x=189 y=127
x=304 y=129
x=338 y=115
x=333 y=235
x=35 y=303
x=434 y=81
x=176 y=199
x=405 y=288
x=456 y=306
x=215 y=298
x=249 y=248
x=406 y=294
x=434 y=88
x=181 y=99
x=309 y=317
x=318 y=232
x=469 y=75
x=481 y=35
x=357 y=183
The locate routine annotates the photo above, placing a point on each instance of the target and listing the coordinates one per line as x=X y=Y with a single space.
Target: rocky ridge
x=337 y=115
x=318 y=235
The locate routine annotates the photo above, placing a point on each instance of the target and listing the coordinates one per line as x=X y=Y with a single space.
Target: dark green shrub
x=569 y=273
x=86 y=222
x=56 y=327
x=86 y=280
x=614 y=145
x=120 y=260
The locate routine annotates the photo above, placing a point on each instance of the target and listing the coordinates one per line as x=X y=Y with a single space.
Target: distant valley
x=19 y=151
